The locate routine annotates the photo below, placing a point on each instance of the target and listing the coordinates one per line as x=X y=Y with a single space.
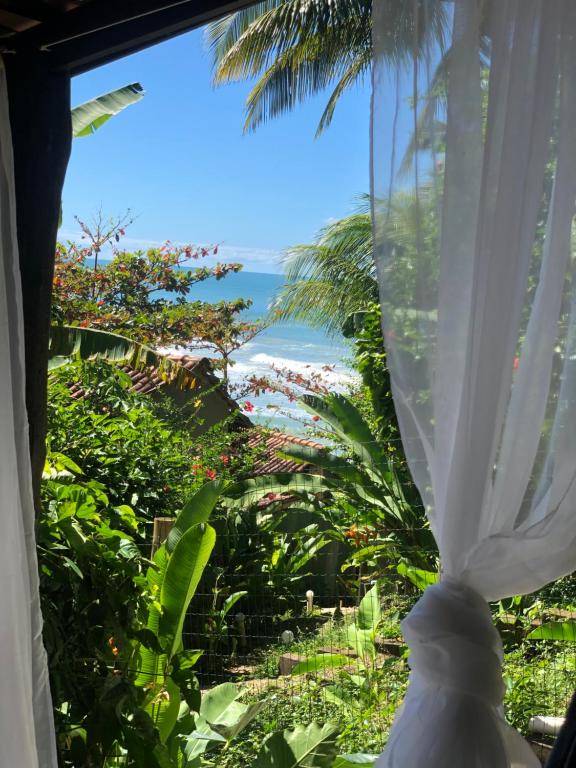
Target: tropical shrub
x=90 y=566
x=123 y=683
x=358 y=499
x=117 y=438
x=145 y=295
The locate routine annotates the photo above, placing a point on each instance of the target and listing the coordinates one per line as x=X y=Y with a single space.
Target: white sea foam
x=338 y=376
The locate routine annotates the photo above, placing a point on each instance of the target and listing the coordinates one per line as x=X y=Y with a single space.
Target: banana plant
x=360 y=482
x=164 y=667
x=91 y=115
x=220 y=719
x=357 y=690
x=311 y=746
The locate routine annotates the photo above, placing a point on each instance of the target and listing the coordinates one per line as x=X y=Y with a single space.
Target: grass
x=293 y=700
x=540 y=678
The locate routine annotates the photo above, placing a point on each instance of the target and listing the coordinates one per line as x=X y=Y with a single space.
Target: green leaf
x=321 y=661
x=312 y=746
x=69 y=342
x=361 y=641
x=195 y=511
x=215 y=701
x=163 y=707
x=88 y=117
x=420 y=578
x=224 y=713
x=369 y=613
x=349 y=424
x=351 y=761
x=564 y=631
x=246 y=492
x=183 y=573
x=231 y=601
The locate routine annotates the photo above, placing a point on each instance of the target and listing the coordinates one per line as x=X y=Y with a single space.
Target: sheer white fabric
x=26 y=723
x=479 y=318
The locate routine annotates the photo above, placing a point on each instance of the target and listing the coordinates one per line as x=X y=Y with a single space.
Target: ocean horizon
x=294 y=346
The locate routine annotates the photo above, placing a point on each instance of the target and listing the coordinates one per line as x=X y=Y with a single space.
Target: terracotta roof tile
x=147 y=382
x=275 y=441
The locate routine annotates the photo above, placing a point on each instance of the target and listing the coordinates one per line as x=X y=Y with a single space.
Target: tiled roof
x=276 y=441
x=147 y=381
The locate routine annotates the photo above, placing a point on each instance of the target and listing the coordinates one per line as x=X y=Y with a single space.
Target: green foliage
x=89 y=568
x=351 y=761
x=364 y=327
x=220 y=719
x=538 y=684
x=331 y=278
x=420 y=578
x=88 y=117
x=116 y=437
x=297 y=49
x=361 y=688
x=563 y=631
x=133 y=690
x=69 y=343
x=312 y=746
x=363 y=484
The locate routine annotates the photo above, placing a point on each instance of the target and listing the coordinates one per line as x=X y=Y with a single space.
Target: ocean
x=288 y=345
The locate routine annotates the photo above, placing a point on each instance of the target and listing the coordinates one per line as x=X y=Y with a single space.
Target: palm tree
x=299 y=48
x=332 y=278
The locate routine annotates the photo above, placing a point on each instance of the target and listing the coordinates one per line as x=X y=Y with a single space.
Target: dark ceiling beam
x=30 y=9
x=100 y=32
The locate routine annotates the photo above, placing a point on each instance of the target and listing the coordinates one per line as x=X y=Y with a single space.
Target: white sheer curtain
x=26 y=724
x=479 y=318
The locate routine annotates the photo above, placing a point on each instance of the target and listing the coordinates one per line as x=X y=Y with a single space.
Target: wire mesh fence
x=301 y=602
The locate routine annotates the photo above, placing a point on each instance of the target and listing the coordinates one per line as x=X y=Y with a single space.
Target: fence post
x=162 y=527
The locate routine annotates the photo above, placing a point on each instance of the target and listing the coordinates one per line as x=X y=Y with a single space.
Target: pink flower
x=248 y=406
x=211 y=474
x=516 y=363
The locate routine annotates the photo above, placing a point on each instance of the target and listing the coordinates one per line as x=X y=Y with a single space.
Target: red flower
x=225 y=459
x=315 y=418
x=211 y=474
x=248 y=406
x=516 y=362
x=196 y=468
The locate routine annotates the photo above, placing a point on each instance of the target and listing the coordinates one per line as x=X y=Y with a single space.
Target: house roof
x=149 y=381
x=79 y=35
x=271 y=462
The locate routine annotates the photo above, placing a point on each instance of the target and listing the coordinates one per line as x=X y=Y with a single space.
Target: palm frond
x=355 y=72
x=222 y=34
x=330 y=279
x=295 y=75
x=298 y=48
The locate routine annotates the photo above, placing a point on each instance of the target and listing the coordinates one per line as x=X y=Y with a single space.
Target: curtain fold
x=26 y=719
x=479 y=321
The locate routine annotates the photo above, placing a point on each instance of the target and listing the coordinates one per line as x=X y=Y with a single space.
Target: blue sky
x=179 y=161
